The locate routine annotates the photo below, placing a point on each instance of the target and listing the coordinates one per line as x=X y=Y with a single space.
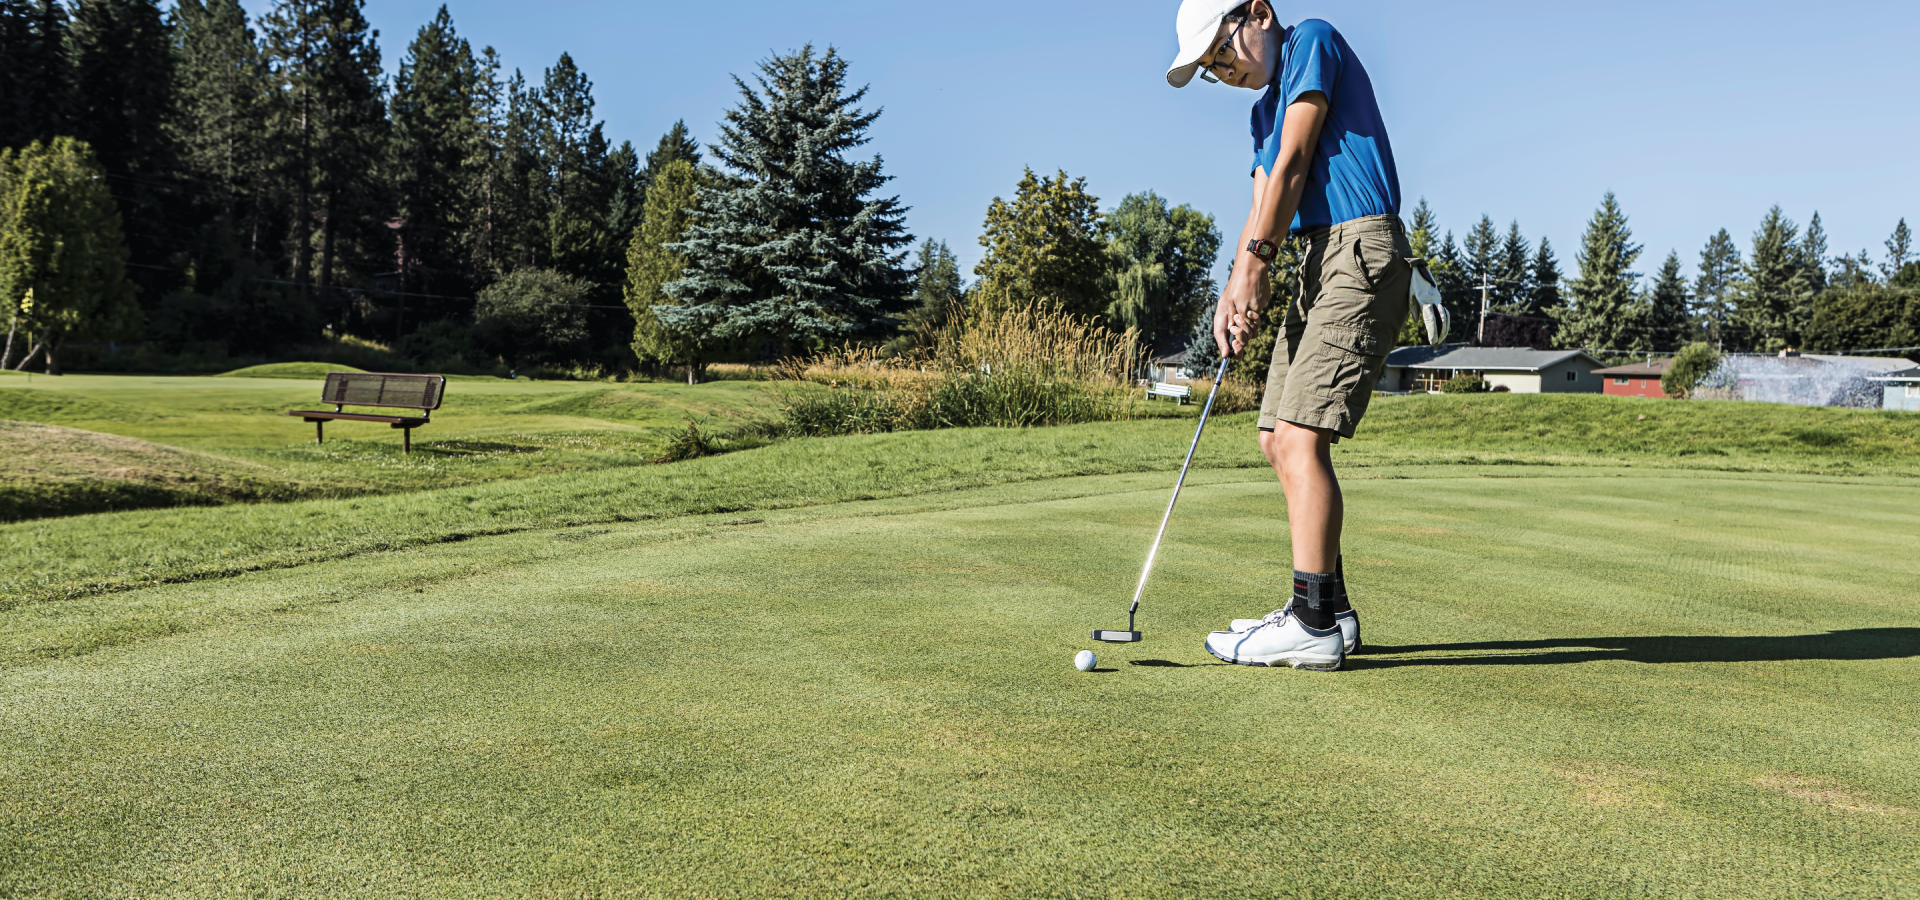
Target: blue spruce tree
x=790 y=245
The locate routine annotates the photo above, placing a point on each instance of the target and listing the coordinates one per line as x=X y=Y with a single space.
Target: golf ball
x=1083 y=660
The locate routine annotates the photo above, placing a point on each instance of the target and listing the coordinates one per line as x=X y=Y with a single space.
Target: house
x=1900 y=390
x=1170 y=368
x=1637 y=380
x=1809 y=379
x=1518 y=369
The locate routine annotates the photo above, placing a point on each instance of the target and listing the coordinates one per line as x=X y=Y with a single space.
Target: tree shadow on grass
x=1854 y=644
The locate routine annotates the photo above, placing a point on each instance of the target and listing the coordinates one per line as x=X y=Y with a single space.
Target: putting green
x=1594 y=682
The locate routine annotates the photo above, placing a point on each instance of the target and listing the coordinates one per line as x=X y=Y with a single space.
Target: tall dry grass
x=1013 y=368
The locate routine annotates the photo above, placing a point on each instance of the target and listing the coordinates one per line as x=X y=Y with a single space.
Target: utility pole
x=1486 y=284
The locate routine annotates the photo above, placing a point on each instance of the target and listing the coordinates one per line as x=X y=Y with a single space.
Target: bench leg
x=406 y=440
x=319 y=431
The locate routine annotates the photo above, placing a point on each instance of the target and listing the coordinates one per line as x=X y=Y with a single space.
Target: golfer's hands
x=1237 y=316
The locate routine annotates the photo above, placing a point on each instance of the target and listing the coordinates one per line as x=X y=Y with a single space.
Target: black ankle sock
x=1313 y=597
x=1340 y=603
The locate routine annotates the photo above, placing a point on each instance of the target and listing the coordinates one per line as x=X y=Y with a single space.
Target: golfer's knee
x=1270 y=448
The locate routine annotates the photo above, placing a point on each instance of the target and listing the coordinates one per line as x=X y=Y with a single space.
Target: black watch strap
x=1263 y=248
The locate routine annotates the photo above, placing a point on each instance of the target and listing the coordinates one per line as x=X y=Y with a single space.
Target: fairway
x=1584 y=682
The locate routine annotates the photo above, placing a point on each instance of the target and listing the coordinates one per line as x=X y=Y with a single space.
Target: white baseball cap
x=1196 y=24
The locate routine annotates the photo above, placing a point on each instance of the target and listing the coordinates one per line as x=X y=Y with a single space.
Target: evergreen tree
x=1899 y=249
x=1163 y=258
x=1813 y=258
x=652 y=263
x=1482 y=258
x=677 y=143
x=1459 y=293
x=331 y=125
x=123 y=98
x=938 y=292
x=35 y=72
x=1512 y=277
x=62 y=258
x=228 y=193
x=792 y=246
x=1604 y=314
x=437 y=112
x=1043 y=246
x=575 y=179
x=1543 y=283
x=1667 y=326
x=1850 y=272
x=1774 y=296
x=1713 y=287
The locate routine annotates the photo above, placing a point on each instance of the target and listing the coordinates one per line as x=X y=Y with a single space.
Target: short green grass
x=1587 y=682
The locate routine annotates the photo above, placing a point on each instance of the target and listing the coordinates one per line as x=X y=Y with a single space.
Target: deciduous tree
x=60 y=240
x=1163 y=260
x=1044 y=245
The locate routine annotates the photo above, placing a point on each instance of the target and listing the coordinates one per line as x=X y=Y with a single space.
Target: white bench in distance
x=1177 y=392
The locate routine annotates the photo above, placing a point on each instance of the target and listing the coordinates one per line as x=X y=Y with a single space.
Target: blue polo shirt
x=1353 y=174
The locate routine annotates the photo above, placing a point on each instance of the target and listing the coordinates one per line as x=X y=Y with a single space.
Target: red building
x=1637 y=380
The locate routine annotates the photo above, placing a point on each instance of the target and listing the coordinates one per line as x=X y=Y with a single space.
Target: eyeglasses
x=1224 y=55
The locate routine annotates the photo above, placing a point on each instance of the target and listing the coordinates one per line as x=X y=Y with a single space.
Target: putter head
x=1116 y=637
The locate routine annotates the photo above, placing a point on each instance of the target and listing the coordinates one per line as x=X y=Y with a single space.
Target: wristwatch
x=1263 y=248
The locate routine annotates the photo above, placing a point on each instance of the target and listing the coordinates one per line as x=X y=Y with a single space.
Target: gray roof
x=1514 y=359
x=1882 y=364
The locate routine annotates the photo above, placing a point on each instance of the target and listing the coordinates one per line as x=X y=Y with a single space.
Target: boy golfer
x=1322 y=169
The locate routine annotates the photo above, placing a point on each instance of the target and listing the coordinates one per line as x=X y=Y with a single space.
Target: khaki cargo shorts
x=1347 y=311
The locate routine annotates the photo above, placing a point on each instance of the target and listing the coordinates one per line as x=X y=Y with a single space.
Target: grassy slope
x=1592 y=683
x=488 y=430
x=49 y=468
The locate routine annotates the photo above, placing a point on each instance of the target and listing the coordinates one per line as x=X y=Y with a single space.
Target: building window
x=1572 y=375
x=1618 y=379
x=1913 y=390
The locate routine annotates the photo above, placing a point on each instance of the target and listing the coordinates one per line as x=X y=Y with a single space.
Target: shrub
x=1466 y=383
x=1691 y=366
x=532 y=317
x=1011 y=368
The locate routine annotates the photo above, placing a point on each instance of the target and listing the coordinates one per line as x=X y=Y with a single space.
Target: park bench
x=343 y=389
x=1178 y=392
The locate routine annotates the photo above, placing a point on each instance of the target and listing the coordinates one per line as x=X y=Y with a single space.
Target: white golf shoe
x=1280 y=640
x=1348 y=621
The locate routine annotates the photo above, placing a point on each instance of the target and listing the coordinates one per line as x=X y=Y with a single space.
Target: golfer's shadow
x=1854 y=644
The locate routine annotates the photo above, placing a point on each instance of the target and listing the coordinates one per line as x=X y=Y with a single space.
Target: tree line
x=209 y=182
x=1786 y=291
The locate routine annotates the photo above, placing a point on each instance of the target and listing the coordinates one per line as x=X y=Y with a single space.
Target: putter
x=1131 y=635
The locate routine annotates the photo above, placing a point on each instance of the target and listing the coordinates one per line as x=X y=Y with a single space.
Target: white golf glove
x=1426 y=293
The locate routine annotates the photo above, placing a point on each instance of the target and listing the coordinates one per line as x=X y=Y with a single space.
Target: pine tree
x=677 y=143
x=1482 y=258
x=1813 y=259
x=331 y=124
x=938 y=293
x=1604 y=313
x=60 y=244
x=792 y=246
x=1713 y=287
x=437 y=112
x=123 y=96
x=1774 y=296
x=1163 y=259
x=1899 y=250
x=1667 y=325
x=1043 y=246
x=35 y=72
x=652 y=263
x=1512 y=278
x=1458 y=292
x=573 y=162
x=1543 y=282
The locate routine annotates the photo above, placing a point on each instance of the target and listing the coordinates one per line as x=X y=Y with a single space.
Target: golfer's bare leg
x=1303 y=458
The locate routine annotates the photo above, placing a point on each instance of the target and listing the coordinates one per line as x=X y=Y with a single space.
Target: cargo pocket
x=1354 y=357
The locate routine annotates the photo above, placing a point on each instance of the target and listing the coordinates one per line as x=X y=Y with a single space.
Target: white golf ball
x=1083 y=660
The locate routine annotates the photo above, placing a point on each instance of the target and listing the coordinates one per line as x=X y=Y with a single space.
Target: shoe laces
x=1278 y=616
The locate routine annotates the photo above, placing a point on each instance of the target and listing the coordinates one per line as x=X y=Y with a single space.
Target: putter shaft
x=1218 y=377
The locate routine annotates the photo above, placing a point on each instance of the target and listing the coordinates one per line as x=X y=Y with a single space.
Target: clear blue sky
x=1698 y=115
